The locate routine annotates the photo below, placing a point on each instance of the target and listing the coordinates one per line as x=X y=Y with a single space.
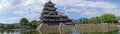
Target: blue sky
x=12 y=10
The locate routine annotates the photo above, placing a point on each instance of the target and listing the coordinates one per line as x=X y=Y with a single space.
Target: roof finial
x=49 y=0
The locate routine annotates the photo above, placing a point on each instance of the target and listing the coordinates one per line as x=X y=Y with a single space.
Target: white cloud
x=89 y=8
x=27 y=14
x=4 y=4
x=85 y=3
x=32 y=8
x=113 y=11
x=9 y=20
x=102 y=5
x=26 y=8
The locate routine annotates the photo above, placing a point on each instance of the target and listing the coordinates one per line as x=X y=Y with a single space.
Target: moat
x=73 y=31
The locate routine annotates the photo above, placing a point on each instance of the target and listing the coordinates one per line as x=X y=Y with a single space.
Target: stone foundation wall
x=45 y=28
x=95 y=27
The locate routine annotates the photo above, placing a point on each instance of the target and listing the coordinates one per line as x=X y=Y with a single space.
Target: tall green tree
x=34 y=23
x=106 y=18
x=24 y=22
x=109 y=18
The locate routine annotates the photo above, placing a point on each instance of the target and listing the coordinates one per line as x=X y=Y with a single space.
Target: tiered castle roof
x=50 y=15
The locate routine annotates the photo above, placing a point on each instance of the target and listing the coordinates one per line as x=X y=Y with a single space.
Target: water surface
x=74 y=31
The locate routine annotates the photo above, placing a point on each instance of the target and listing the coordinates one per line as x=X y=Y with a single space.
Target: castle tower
x=52 y=20
x=51 y=16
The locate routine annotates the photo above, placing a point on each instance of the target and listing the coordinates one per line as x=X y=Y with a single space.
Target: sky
x=12 y=10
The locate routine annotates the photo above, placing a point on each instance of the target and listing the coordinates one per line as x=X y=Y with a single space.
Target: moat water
x=74 y=31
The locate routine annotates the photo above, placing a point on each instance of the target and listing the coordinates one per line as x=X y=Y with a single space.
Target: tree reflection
x=55 y=31
x=30 y=32
x=66 y=31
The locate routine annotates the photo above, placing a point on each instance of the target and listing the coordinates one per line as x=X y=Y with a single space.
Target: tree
x=12 y=26
x=106 y=18
x=93 y=20
x=109 y=18
x=1 y=26
x=83 y=20
x=24 y=22
x=34 y=23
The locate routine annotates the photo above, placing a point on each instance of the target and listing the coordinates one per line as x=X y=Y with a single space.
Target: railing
x=50 y=8
x=54 y=16
x=56 y=19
